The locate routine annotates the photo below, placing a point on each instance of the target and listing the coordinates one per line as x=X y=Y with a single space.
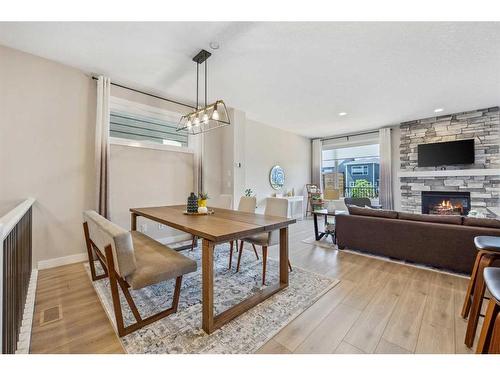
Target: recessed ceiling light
x=342 y=113
x=214 y=45
x=437 y=110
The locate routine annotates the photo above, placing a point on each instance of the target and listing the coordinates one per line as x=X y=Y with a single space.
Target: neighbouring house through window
x=351 y=171
x=143 y=123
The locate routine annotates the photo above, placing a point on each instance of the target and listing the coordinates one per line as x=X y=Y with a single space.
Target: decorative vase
x=192 y=203
x=202 y=203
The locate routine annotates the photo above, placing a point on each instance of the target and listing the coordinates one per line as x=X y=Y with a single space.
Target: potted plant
x=202 y=199
x=248 y=192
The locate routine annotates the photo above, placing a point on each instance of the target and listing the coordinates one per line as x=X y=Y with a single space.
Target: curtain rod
x=148 y=94
x=350 y=135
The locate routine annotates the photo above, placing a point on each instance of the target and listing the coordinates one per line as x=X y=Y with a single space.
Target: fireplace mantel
x=451 y=173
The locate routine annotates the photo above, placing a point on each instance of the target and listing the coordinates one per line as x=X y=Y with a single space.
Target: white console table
x=296 y=206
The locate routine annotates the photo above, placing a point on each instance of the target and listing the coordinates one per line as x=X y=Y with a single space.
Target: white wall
x=266 y=146
x=46 y=148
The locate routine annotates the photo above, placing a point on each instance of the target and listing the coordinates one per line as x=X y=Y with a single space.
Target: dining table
x=222 y=226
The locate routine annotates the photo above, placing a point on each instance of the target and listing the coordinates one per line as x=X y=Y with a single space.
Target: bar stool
x=489 y=341
x=488 y=251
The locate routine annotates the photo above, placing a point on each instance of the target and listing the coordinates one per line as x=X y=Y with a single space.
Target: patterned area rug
x=182 y=333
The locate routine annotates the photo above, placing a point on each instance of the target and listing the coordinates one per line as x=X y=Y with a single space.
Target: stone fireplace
x=480 y=181
x=445 y=202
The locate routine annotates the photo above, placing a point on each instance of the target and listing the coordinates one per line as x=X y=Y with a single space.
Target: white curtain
x=385 y=193
x=102 y=145
x=316 y=163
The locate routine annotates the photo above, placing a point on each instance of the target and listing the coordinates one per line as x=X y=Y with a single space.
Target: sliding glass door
x=352 y=171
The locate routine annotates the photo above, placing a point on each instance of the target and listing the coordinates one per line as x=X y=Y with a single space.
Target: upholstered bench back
x=103 y=232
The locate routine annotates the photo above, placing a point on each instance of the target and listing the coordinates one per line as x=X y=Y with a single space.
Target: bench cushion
x=103 y=233
x=156 y=262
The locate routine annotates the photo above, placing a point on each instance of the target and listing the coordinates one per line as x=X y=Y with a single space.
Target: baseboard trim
x=62 y=261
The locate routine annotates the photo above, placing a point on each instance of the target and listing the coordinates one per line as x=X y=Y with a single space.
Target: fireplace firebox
x=445 y=202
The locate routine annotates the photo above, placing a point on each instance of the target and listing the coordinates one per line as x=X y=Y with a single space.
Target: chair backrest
x=276 y=207
x=339 y=205
x=247 y=204
x=223 y=201
x=312 y=188
x=360 y=202
x=103 y=232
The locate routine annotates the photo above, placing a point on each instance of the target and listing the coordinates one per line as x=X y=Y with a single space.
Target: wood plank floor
x=378 y=307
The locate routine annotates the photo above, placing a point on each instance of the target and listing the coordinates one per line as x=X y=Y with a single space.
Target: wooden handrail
x=11 y=218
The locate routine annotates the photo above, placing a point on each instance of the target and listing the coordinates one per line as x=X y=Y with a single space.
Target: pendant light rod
x=207 y=117
x=205 y=83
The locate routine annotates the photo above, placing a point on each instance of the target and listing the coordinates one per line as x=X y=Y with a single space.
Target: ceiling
x=292 y=75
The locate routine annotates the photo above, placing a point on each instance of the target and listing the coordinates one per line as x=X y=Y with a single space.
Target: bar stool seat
x=488 y=252
x=492 y=280
x=489 y=243
x=489 y=341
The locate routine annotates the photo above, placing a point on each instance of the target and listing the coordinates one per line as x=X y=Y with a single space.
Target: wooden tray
x=209 y=212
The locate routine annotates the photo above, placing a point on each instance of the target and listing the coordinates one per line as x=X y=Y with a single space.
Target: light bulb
x=196 y=121
x=205 y=118
x=215 y=115
x=188 y=124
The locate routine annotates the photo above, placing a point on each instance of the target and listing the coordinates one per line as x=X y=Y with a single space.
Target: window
x=138 y=122
x=359 y=170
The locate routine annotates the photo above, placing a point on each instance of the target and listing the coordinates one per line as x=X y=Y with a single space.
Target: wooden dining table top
x=221 y=226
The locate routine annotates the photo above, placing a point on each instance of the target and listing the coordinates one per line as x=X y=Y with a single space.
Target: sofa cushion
x=443 y=219
x=481 y=222
x=354 y=210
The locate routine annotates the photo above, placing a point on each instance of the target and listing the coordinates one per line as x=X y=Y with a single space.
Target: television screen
x=446 y=153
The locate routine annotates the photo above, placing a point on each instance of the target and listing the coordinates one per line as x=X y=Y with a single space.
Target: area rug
x=182 y=333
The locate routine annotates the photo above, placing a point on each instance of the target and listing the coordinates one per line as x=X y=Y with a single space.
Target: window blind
x=129 y=125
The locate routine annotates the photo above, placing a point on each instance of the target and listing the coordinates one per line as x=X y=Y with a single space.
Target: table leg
x=207 y=269
x=133 y=221
x=210 y=323
x=284 y=256
x=316 y=232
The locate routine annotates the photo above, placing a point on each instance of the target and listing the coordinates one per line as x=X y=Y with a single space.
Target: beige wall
x=47 y=113
x=144 y=177
x=266 y=146
x=46 y=148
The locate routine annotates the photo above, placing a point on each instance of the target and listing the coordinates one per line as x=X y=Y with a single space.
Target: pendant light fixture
x=208 y=117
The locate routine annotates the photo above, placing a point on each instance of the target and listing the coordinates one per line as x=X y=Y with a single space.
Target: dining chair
x=274 y=207
x=222 y=201
x=132 y=260
x=246 y=204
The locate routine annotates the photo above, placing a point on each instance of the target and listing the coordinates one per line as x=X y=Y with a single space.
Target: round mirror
x=277 y=177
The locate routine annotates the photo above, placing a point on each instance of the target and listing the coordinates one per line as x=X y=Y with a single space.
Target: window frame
x=132 y=107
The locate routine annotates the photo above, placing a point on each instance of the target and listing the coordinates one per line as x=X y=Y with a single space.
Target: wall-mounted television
x=446 y=153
